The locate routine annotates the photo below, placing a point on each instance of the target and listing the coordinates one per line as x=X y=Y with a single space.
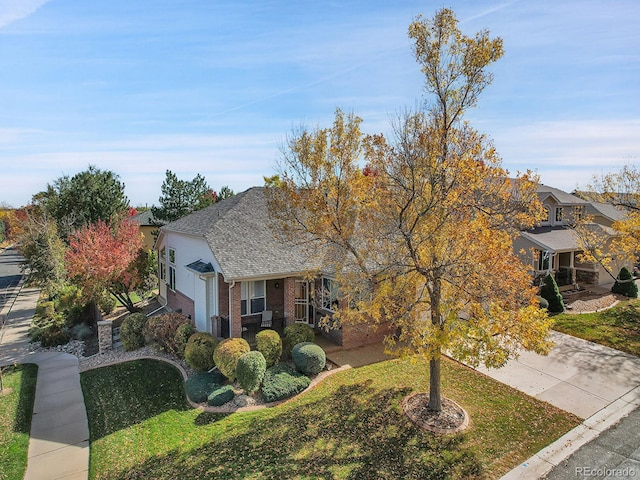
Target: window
x=329 y=294
x=547 y=215
x=578 y=213
x=544 y=258
x=163 y=265
x=172 y=269
x=253 y=297
x=559 y=214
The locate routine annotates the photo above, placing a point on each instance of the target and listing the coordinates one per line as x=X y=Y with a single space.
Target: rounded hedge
x=250 y=371
x=269 y=343
x=199 y=351
x=220 y=396
x=308 y=358
x=282 y=381
x=296 y=333
x=131 y=329
x=227 y=354
x=200 y=385
x=183 y=333
x=625 y=284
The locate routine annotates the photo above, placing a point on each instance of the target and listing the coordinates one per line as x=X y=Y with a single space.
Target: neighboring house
x=145 y=220
x=223 y=267
x=553 y=246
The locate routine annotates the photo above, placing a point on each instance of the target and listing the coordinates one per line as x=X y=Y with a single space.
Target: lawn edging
x=206 y=408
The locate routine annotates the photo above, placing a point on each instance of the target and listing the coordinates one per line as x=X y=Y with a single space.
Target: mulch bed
x=451 y=419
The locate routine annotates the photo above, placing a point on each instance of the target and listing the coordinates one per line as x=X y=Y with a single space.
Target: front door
x=303 y=303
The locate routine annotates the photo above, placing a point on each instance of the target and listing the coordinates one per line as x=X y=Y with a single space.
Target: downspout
x=166 y=301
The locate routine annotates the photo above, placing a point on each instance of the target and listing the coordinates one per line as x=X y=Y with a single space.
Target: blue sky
x=213 y=87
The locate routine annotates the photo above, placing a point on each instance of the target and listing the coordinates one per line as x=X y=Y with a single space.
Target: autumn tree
x=108 y=257
x=42 y=248
x=618 y=246
x=88 y=197
x=421 y=237
x=182 y=197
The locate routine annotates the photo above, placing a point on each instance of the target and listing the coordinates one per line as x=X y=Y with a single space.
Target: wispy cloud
x=13 y=10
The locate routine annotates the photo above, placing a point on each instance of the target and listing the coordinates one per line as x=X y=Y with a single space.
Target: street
x=10 y=275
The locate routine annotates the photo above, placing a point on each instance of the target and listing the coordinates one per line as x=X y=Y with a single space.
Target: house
x=554 y=247
x=145 y=221
x=223 y=267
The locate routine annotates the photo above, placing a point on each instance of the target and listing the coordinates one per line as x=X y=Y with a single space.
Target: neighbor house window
x=559 y=214
x=544 y=259
x=253 y=297
x=547 y=216
x=329 y=294
x=172 y=269
x=163 y=265
x=578 y=213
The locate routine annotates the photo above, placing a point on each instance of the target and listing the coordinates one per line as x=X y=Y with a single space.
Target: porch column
x=572 y=267
x=236 y=318
x=290 y=299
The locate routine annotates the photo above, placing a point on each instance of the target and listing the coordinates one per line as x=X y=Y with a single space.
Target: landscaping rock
x=243 y=401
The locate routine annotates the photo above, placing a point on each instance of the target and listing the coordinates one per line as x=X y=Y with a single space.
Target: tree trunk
x=435 y=402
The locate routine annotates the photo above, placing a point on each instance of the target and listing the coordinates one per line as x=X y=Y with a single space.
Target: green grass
x=16 y=409
x=617 y=327
x=350 y=426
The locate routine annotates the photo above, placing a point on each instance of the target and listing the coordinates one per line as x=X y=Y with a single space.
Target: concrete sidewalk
x=578 y=376
x=59 y=440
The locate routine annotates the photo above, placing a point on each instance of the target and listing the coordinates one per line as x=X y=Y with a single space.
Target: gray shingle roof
x=144 y=218
x=557 y=239
x=237 y=231
x=607 y=210
x=563 y=198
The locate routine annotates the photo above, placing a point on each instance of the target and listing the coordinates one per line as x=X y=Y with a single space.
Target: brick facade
x=178 y=301
x=363 y=334
x=290 y=299
x=236 y=317
x=223 y=297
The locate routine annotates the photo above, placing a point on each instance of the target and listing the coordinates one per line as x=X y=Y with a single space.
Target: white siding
x=188 y=250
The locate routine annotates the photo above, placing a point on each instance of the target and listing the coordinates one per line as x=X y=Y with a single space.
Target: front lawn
x=350 y=426
x=16 y=408
x=617 y=327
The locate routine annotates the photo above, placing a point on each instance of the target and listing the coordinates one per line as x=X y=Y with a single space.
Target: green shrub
x=220 y=396
x=70 y=303
x=183 y=333
x=45 y=310
x=625 y=284
x=269 y=343
x=542 y=302
x=308 y=358
x=551 y=294
x=282 y=381
x=161 y=331
x=81 y=332
x=199 y=351
x=200 y=385
x=131 y=331
x=250 y=371
x=106 y=303
x=49 y=331
x=294 y=334
x=227 y=354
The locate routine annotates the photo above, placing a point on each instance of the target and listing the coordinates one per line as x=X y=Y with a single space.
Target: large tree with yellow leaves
x=421 y=237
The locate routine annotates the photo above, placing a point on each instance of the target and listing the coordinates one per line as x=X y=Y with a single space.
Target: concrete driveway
x=577 y=376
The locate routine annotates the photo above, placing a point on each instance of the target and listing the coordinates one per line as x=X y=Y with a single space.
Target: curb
x=551 y=456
